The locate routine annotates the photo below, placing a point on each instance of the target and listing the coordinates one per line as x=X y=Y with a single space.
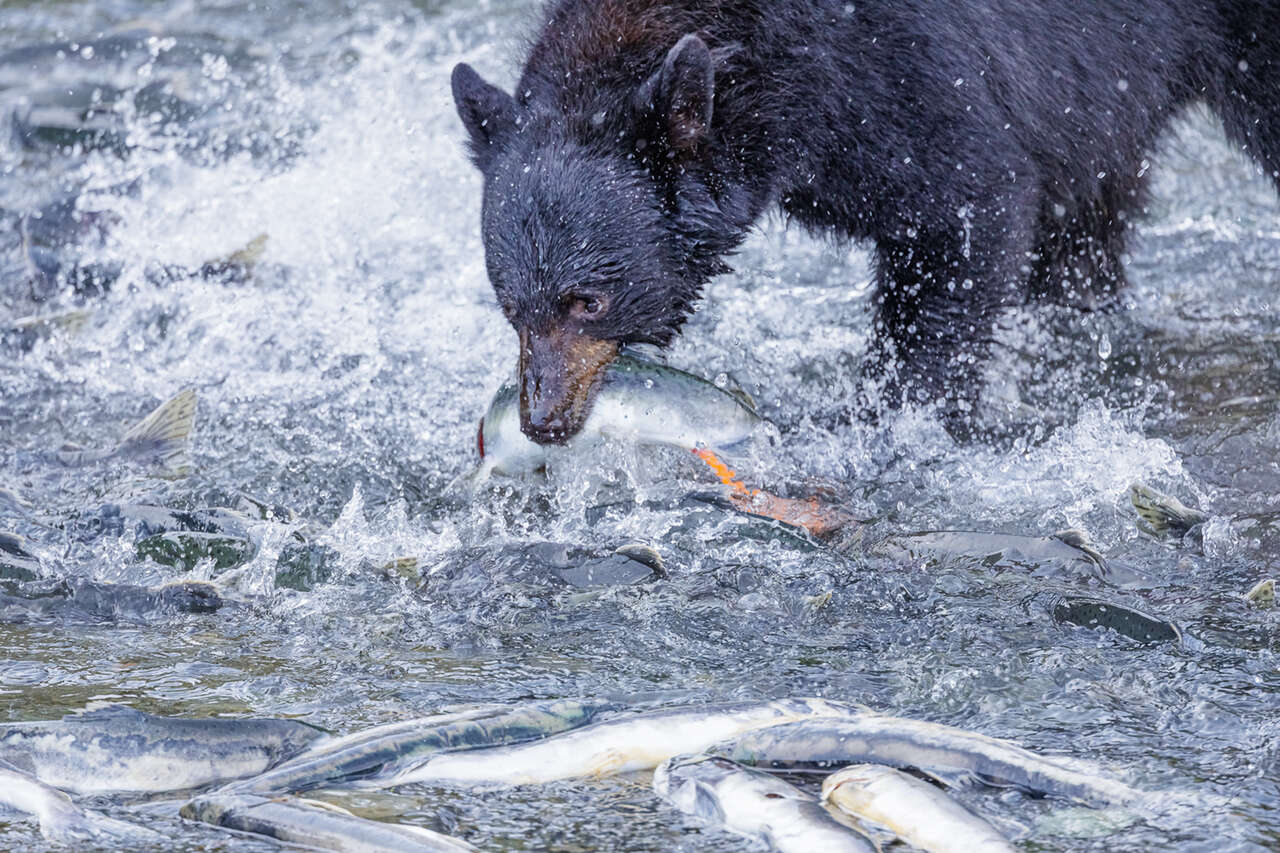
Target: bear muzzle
x=559 y=374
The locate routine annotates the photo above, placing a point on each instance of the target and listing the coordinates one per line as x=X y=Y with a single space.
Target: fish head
x=503 y=448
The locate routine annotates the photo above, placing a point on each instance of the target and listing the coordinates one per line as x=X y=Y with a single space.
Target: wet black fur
x=992 y=150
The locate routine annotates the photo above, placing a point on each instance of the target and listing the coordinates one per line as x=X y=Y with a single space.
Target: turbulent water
x=341 y=377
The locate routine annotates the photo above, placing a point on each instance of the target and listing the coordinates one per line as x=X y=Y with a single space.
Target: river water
x=340 y=381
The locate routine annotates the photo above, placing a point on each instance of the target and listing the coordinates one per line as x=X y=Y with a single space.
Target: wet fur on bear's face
x=592 y=226
x=569 y=238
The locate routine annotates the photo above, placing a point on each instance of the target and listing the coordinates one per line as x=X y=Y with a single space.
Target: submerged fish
x=60 y=819
x=119 y=749
x=387 y=748
x=17 y=562
x=1070 y=548
x=629 y=742
x=639 y=401
x=950 y=755
x=76 y=600
x=161 y=438
x=915 y=811
x=316 y=825
x=1086 y=612
x=754 y=804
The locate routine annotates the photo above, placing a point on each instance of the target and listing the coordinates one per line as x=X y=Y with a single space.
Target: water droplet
x=722 y=379
x=1104 y=346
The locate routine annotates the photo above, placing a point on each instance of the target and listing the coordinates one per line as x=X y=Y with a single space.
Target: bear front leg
x=939 y=294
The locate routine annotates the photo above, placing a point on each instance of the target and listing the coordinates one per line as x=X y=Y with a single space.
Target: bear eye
x=587 y=305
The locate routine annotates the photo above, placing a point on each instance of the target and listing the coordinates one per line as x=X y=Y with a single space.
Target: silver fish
x=387 y=748
x=641 y=402
x=316 y=825
x=952 y=756
x=160 y=439
x=620 y=745
x=755 y=804
x=1069 y=548
x=915 y=811
x=118 y=749
x=60 y=819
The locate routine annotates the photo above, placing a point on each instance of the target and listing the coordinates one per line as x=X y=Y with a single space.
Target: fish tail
x=1163 y=515
x=165 y=434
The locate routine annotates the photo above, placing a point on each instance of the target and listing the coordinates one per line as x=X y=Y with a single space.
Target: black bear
x=991 y=149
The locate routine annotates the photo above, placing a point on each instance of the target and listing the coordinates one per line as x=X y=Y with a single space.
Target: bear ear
x=680 y=94
x=488 y=113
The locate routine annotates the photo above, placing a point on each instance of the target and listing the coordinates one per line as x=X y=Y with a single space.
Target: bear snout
x=559 y=375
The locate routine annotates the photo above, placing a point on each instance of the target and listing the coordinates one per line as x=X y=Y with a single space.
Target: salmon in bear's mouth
x=559 y=374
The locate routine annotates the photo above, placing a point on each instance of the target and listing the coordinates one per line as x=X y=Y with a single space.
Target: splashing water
x=342 y=375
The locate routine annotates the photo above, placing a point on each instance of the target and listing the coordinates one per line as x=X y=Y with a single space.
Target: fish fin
x=239 y=264
x=962 y=780
x=323 y=806
x=741 y=395
x=165 y=433
x=606 y=764
x=251 y=253
x=1163 y=515
x=1263 y=593
x=66 y=321
x=1078 y=539
x=644 y=554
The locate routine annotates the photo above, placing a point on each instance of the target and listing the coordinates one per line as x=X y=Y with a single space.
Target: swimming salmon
x=619 y=745
x=386 y=748
x=316 y=826
x=62 y=820
x=118 y=749
x=948 y=754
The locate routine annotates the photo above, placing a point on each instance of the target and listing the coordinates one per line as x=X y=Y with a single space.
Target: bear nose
x=542 y=422
x=542 y=404
x=548 y=429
